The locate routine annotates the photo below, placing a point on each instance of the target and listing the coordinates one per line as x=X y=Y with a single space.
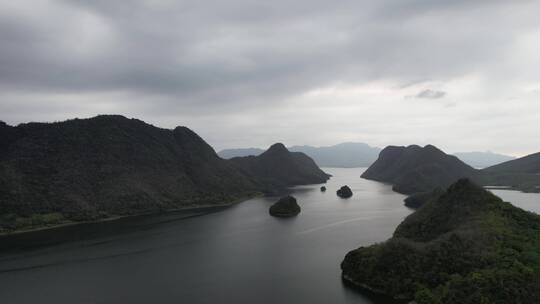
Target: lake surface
x=527 y=201
x=237 y=255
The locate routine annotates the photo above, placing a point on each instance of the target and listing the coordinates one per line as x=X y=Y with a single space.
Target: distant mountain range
x=344 y=155
x=353 y=155
x=481 y=160
x=416 y=169
x=106 y=166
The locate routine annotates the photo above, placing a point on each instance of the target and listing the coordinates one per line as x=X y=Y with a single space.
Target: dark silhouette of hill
x=527 y=164
x=481 y=160
x=419 y=171
x=111 y=164
x=521 y=174
x=465 y=246
x=106 y=166
x=415 y=169
x=285 y=207
x=344 y=155
x=278 y=168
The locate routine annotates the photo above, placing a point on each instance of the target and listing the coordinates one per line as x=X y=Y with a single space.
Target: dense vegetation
x=466 y=246
x=344 y=192
x=417 y=200
x=87 y=169
x=285 y=207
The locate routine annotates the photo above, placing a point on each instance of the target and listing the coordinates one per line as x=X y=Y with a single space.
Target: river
x=237 y=255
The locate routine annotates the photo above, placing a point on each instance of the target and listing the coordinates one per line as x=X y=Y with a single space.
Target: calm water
x=237 y=255
x=527 y=201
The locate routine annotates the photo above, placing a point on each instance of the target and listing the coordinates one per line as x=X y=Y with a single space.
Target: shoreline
x=363 y=288
x=118 y=217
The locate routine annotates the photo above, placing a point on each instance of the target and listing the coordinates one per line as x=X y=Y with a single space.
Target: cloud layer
x=246 y=73
x=430 y=94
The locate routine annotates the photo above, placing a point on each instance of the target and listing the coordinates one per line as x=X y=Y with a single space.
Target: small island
x=344 y=192
x=323 y=189
x=285 y=207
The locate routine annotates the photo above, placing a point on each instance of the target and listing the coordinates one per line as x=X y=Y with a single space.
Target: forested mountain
x=277 y=167
x=466 y=246
x=416 y=169
x=85 y=169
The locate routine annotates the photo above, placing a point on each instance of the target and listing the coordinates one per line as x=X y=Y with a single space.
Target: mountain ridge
x=277 y=167
x=342 y=155
x=414 y=169
x=109 y=165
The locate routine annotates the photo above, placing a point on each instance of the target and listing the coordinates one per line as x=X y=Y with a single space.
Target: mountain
x=344 y=155
x=466 y=246
x=278 y=168
x=110 y=165
x=482 y=159
x=522 y=174
x=230 y=153
x=416 y=169
x=529 y=164
x=107 y=166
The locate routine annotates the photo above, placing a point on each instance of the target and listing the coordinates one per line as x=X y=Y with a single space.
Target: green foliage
x=279 y=168
x=424 y=296
x=88 y=169
x=12 y=222
x=285 y=207
x=468 y=246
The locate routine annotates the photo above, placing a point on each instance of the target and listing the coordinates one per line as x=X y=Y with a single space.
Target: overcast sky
x=463 y=75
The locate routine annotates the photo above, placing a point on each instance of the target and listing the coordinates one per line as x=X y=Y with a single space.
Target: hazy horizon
x=358 y=142
x=264 y=147
x=461 y=75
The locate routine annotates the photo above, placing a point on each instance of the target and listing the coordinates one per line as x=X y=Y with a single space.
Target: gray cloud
x=235 y=48
x=430 y=94
x=168 y=61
